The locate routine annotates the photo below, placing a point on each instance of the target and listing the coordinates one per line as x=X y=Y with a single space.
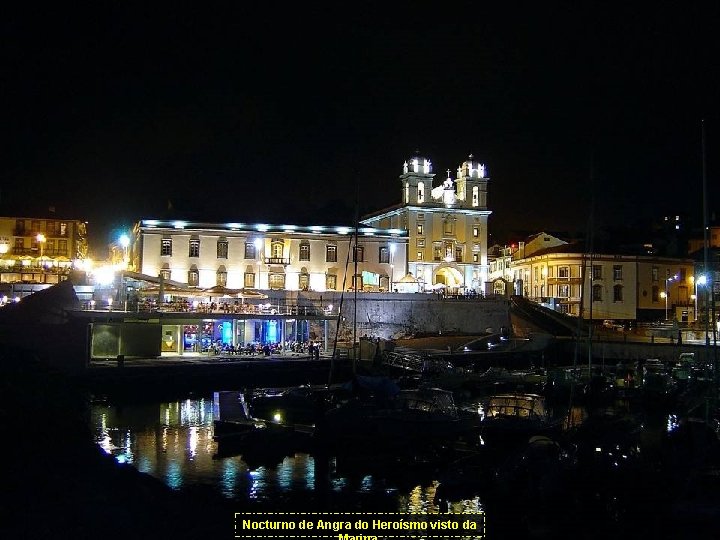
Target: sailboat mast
x=708 y=275
x=591 y=246
x=355 y=278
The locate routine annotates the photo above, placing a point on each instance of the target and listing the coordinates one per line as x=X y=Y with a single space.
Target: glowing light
x=179 y=224
x=317 y=228
x=151 y=222
x=392 y=248
x=104 y=275
x=124 y=240
x=343 y=230
x=234 y=226
x=277 y=417
x=258 y=243
x=3 y=248
x=262 y=227
x=702 y=280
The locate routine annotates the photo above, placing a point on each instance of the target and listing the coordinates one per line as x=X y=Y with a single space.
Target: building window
x=475 y=196
x=166 y=247
x=437 y=252
x=655 y=273
x=304 y=281
x=277 y=281
x=250 y=280
x=63 y=229
x=476 y=257
x=51 y=228
x=276 y=249
x=358 y=282
x=193 y=278
x=564 y=272
x=331 y=253
x=194 y=248
x=407 y=192
x=564 y=291
x=597 y=293
x=331 y=282
x=359 y=254
x=597 y=271
x=458 y=254
x=62 y=248
x=221 y=278
x=476 y=232
x=448 y=226
x=420 y=242
x=421 y=192
x=655 y=293
x=384 y=255
x=304 y=250
x=683 y=274
x=617 y=272
x=618 y=293
x=419 y=255
x=222 y=249
x=564 y=308
x=420 y=229
x=250 y=251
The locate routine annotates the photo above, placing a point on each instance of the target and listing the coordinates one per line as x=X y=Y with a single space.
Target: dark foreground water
x=614 y=471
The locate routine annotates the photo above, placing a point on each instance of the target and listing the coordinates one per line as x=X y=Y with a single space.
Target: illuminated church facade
x=446 y=225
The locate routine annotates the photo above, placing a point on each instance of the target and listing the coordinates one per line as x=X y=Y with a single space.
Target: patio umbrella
x=220 y=291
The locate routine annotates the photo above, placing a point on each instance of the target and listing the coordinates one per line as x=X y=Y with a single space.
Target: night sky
x=277 y=114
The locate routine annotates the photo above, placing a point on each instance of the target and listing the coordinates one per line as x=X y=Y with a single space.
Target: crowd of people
x=309 y=348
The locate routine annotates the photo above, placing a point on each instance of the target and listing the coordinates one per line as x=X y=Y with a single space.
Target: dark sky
x=278 y=113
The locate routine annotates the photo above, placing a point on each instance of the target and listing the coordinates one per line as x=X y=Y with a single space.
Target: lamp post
x=41 y=242
x=664 y=295
x=124 y=241
x=701 y=280
x=668 y=280
x=259 y=244
x=392 y=265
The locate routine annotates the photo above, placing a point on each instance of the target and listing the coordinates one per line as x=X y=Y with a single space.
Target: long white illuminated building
x=264 y=256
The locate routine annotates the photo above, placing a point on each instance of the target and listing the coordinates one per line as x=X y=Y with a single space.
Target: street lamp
x=392 y=265
x=124 y=243
x=260 y=252
x=41 y=242
x=701 y=280
x=664 y=295
x=668 y=280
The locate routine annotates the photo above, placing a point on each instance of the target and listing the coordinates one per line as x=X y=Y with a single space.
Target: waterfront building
x=620 y=287
x=36 y=252
x=446 y=225
x=276 y=257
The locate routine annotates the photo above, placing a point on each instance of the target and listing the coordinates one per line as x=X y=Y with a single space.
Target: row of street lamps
x=701 y=280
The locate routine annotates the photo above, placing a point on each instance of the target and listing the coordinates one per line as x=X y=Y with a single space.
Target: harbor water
x=613 y=468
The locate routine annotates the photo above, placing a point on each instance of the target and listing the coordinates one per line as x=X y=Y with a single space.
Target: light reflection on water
x=174 y=442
